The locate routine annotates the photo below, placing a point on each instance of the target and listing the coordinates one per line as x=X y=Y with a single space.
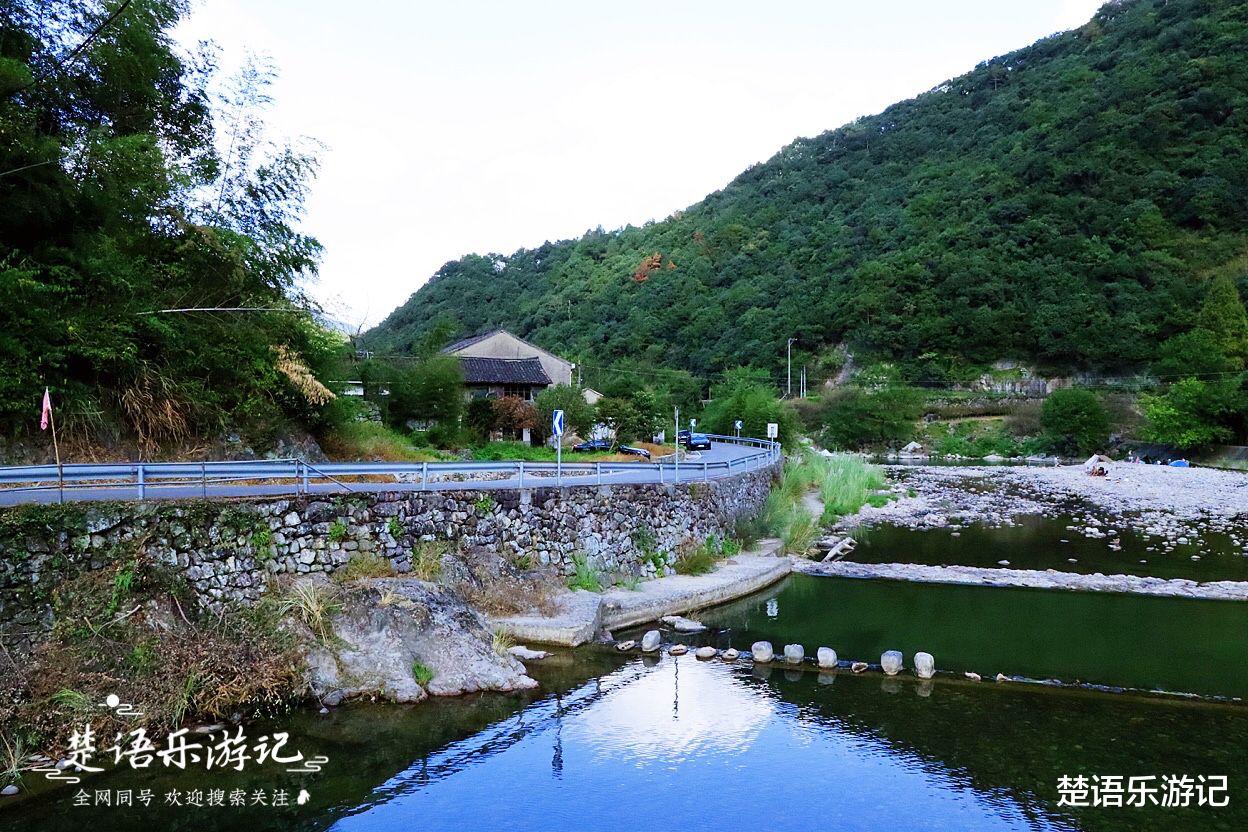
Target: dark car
x=697 y=442
x=683 y=437
x=593 y=445
x=631 y=451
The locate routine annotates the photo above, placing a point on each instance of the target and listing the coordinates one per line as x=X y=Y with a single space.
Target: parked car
x=631 y=451
x=698 y=442
x=593 y=445
x=683 y=437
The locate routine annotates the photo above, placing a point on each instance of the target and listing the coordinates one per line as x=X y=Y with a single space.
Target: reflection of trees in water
x=495 y=739
x=1009 y=744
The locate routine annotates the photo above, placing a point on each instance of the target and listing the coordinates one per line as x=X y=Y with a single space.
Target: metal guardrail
x=139 y=480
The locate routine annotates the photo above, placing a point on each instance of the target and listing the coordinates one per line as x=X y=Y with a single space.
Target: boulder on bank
x=683 y=625
x=762 y=652
x=382 y=633
x=650 y=641
x=826 y=657
x=924 y=665
x=794 y=653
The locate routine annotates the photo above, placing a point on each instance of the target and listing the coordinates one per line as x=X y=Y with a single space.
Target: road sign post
x=773 y=430
x=737 y=426
x=556 y=430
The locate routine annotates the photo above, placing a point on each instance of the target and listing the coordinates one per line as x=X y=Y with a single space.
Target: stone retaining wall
x=228 y=551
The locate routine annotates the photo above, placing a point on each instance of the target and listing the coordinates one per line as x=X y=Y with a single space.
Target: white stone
x=678 y=650
x=705 y=652
x=973 y=676
x=625 y=645
x=794 y=653
x=682 y=625
x=891 y=662
x=826 y=657
x=858 y=667
x=1001 y=677
x=924 y=665
x=524 y=654
x=650 y=641
x=9 y=790
x=762 y=651
x=729 y=655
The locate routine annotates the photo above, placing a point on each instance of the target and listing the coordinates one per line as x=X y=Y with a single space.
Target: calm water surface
x=1172 y=644
x=614 y=744
x=1045 y=543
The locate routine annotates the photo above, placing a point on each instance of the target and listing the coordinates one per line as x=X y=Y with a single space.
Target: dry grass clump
x=290 y=364
x=154 y=409
x=364 y=565
x=132 y=630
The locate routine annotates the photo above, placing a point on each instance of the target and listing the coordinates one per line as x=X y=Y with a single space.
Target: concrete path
x=581 y=614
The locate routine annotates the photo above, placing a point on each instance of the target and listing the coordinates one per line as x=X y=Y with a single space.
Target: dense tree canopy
x=1068 y=203
x=118 y=199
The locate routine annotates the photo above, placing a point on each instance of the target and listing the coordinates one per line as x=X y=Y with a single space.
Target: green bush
x=422 y=674
x=749 y=396
x=1074 y=421
x=1193 y=413
x=871 y=417
x=586 y=576
x=337 y=531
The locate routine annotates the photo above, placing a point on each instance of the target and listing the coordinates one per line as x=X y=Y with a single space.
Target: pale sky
x=491 y=125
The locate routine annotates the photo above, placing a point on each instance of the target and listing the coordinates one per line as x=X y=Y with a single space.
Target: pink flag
x=47 y=410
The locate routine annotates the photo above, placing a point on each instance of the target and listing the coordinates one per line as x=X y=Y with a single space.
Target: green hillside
x=1066 y=204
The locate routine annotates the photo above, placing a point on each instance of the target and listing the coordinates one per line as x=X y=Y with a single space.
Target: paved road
x=690 y=471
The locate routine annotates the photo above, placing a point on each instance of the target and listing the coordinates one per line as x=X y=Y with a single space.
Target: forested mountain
x=127 y=187
x=1067 y=204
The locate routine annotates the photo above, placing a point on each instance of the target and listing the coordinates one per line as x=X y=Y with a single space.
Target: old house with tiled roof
x=499 y=364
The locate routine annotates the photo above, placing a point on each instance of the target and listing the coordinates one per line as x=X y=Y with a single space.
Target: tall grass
x=376 y=442
x=845 y=484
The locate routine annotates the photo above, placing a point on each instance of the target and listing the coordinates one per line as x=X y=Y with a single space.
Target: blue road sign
x=556 y=424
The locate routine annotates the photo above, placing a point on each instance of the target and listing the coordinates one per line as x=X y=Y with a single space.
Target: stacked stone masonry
x=228 y=551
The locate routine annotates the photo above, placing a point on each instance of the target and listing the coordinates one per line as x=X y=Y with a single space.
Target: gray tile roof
x=503 y=371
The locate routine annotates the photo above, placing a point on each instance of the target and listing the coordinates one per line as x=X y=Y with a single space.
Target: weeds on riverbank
x=364 y=565
x=844 y=483
x=132 y=630
x=586 y=576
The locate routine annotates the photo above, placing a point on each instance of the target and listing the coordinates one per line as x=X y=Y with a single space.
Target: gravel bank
x=1171 y=506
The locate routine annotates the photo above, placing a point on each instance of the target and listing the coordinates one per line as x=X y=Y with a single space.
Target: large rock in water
x=762 y=652
x=826 y=657
x=794 y=653
x=891 y=662
x=650 y=641
x=924 y=665
x=387 y=626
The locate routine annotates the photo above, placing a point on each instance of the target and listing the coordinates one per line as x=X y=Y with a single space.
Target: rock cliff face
x=404 y=639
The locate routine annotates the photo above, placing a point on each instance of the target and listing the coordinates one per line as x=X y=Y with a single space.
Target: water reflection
x=691 y=745
x=677 y=743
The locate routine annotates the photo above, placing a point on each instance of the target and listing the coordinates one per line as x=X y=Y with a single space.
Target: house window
x=516 y=391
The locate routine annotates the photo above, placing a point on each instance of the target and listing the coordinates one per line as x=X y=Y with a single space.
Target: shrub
x=747 y=395
x=586 y=577
x=394 y=527
x=861 y=417
x=578 y=414
x=337 y=531
x=484 y=504
x=1192 y=413
x=502 y=642
x=315 y=605
x=427 y=559
x=700 y=559
x=422 y=674
x=1074 y=421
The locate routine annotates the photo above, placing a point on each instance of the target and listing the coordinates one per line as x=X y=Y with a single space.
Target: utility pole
x=789 y=385
x=677 y=437
x=803 y=393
